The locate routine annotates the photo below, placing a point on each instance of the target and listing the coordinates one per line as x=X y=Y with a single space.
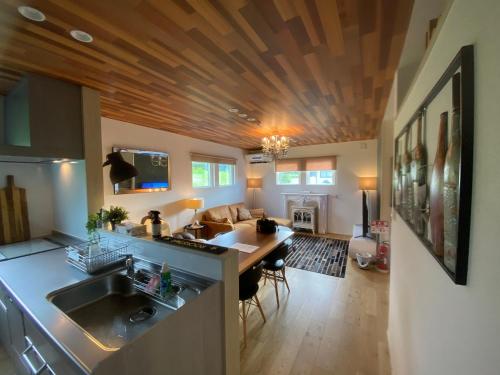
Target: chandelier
x=275 y=146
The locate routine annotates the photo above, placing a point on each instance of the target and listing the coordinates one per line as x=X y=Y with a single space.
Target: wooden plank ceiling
x=318 y=71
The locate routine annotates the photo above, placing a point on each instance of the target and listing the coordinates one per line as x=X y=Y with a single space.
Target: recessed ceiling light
x=81 y=36
x=251 y=119
x=31 y=13
x=243 y=115
x=233 y=110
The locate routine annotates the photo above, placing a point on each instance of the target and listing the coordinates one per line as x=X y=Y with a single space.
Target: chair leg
x=276 y=288
x=265 y=278
x=260 y=308
x=284 y=279
x=244 y=319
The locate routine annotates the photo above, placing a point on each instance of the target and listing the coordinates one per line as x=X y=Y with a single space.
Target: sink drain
x=143 y=314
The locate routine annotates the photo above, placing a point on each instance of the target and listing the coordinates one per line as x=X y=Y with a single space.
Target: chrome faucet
x=129 y=264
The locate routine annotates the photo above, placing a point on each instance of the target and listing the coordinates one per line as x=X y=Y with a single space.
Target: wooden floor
x=326 y=325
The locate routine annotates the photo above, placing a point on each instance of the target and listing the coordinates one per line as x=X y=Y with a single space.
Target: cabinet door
x=4 y=326
x=45 y=352
x=16 y=326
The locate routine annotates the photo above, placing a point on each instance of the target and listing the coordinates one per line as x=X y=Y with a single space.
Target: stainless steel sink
x=110 y=309
x=114 y=308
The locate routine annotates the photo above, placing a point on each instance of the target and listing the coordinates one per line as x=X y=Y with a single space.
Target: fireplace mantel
x=302 y=198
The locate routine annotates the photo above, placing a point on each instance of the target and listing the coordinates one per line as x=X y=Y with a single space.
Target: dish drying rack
x=143 y=276
x=93 y=256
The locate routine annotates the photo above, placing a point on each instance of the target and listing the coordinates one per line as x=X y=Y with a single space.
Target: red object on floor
x=383 y=257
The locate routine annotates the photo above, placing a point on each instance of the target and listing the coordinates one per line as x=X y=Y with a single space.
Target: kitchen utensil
x=13 y=214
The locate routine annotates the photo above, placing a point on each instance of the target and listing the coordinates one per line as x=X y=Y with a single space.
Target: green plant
x=92 y=224
x=115 y=215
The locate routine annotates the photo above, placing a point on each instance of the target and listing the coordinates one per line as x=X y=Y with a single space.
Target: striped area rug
x=318 y=254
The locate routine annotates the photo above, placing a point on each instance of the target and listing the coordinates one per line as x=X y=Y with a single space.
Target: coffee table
x=265 y=242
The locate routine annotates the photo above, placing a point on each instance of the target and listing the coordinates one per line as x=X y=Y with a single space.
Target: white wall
x=345 y=198
x=436 y=327
x=69 y=184
x=118 y=133
x=35 y=178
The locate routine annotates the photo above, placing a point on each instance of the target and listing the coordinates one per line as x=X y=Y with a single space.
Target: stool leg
x=260 y=308
x=276 y=289
x=244 y=319
x=284 y=279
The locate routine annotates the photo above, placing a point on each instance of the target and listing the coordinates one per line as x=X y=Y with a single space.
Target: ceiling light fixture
x=275 y=146
x=81 y=36
x=243 y=115
x=233 y=110
x=31 y=13
x=251 y=119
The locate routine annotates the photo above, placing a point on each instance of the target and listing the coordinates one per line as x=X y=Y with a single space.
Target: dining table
x=264 y=243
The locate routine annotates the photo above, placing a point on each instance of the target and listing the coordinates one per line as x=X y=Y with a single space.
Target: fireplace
x=304 y=218
x=313 y=202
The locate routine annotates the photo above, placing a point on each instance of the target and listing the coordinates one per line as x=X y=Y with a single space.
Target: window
x=226 y=174
x=320 y=177
x=202 y=176
x=288 y=178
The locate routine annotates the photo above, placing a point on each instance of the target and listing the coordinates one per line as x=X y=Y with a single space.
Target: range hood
x=43 y=120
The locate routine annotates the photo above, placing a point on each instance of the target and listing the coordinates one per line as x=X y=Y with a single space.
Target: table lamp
x=365 y=184
x=195 y=204
x=254 y=183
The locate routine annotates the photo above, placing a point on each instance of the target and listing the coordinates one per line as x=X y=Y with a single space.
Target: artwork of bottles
x=433 y=165
x=451 y=179
x=418 y=180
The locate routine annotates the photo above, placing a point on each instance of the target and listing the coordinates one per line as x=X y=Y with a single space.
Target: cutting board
x=14 y=222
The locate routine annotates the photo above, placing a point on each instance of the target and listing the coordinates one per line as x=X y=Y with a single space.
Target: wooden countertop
x=249 y=236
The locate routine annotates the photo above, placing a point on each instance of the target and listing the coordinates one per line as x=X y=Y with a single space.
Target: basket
x=93 y=256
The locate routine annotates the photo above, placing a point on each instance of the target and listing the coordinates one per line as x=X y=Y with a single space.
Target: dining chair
x=249 y=285
x=274 y=268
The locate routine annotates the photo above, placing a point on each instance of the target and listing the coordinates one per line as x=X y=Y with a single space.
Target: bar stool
x=274 y=264
x=249 y=285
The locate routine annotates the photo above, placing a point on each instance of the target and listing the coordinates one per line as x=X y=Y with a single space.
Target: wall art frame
x=433 y=194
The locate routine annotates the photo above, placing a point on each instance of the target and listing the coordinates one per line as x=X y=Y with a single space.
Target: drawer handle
x=27 y=361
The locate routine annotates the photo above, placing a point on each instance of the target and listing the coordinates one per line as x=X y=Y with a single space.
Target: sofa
x=226 y=218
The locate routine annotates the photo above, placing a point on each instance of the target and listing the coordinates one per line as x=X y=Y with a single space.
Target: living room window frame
x=214 y=175
x=210 y=175
x=297 y=184
x=334 y=178
x=217 y=183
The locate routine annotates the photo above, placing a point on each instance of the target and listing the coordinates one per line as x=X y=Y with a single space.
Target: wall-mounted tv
x=154 y=171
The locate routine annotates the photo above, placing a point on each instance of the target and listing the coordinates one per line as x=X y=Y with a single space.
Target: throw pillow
x=244 y=214
x=257 y=213
x=224 y=220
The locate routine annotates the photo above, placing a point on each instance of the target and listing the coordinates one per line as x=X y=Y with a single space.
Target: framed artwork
x=432 y=176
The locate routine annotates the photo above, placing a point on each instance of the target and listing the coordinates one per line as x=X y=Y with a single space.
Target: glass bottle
x=407 y=188
x=436 y=188
x=451 y=181
x=418 y=177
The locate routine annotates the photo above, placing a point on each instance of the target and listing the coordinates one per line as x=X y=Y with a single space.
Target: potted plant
x=92 y=225
x=115 y=215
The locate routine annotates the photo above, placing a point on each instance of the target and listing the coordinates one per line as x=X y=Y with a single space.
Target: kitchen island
x=192 y=340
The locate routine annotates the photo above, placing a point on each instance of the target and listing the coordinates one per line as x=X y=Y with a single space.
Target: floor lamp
x=366 y=184
x=254 y=183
